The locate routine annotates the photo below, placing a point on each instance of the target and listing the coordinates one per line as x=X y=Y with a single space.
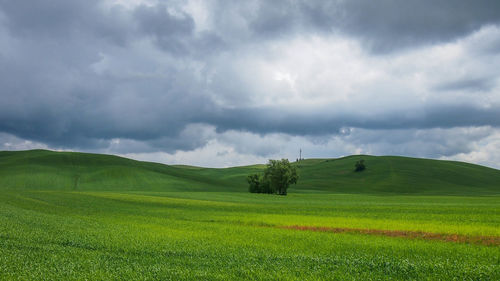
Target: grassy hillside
x=42 y=169
x=393 y=174
x=77 y=216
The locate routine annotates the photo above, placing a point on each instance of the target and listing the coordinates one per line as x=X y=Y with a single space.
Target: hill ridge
x=55 y=170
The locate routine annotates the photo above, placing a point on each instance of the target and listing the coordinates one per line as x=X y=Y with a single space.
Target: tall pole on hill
x=300 y=154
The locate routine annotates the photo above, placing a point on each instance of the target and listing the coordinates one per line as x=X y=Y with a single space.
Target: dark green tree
x=359 y=166
x=279 y=174
x=254 y=182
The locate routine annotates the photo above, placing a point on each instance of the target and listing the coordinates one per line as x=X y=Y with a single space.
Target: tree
x=254 y=182
x=278 y=176
x=359 y=166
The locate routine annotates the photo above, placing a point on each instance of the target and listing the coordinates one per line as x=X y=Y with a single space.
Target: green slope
x=393 y=174
x=42 y=169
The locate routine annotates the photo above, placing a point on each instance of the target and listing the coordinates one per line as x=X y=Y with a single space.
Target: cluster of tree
x=278 y=176
x=359 y=166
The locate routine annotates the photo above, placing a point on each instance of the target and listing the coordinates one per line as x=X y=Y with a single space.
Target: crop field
x=64 y=235
x=225 y=233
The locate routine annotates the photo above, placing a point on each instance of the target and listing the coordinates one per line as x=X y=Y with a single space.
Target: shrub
x=359 y=166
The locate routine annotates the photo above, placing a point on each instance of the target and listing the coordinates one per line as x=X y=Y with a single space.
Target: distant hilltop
x=49 y=170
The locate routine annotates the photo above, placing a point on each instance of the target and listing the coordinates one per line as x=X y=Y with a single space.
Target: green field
x=75 y=216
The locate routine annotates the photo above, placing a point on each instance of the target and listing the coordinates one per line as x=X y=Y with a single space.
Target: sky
x=225 y=83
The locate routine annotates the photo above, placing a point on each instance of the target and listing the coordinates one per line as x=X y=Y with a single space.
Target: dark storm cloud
x=47 y=18
x=169 y=31
x=390 y=24
x=61 y=20
x=88 y=115
x=275 y=18
x=51 y=94
x=66 y=107
x=175 y=33
x=274 y=120
x=384 y=25
x=76 y=74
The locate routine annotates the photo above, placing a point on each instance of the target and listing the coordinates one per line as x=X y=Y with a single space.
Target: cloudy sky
x=223 y=83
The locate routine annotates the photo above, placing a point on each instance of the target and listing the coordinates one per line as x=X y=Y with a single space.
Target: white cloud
x=314 y=72
x=10 y=142
x=475 y=145
x=484 y=151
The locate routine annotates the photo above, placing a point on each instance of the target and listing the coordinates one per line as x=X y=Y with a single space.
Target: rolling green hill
x=393 y=174
x=42 y=169
x=79 y=216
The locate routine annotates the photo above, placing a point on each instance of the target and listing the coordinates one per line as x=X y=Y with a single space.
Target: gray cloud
x=93 y=76
x=275 y=18
x=276 y=120
x=52 y=94
x=236 y=148
x=384 y=26
x=169 y=31
x=388 y=25
x=468 y=84
x=419 y=143
x=63 y=20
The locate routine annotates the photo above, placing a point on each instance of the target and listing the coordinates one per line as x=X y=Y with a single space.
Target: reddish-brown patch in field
x=482 y=240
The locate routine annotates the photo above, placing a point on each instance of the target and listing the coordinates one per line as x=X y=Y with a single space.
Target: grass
x=389 y=175
x=189 y=223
